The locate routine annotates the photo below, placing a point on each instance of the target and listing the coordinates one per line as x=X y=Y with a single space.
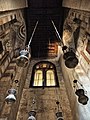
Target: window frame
x=44 y=70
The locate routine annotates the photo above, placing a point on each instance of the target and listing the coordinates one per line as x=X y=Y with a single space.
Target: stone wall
x=12 y=5
x=76 y=34
x=9 y=111
x=75 y=4
x=12 y=36
x=45 y=99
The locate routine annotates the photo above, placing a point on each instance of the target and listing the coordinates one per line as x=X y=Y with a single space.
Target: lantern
x=79 y=92
x=31 y=118
x=82 y=98
x=70 y=58
x=23 y=59
x=59 y=116
x=25 y=54
x=11 y=96
x=32 y=115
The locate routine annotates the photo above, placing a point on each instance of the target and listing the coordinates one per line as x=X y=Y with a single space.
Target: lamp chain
x=32 y=34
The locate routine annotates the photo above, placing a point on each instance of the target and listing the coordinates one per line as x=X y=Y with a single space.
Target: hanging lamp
x=80 y=92
x=32 y=113
x=25 y=54
x=69 y=56
x=58 y=113
x=31 y=117
x=11 y=96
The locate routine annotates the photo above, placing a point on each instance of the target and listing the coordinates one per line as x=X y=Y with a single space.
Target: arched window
x=50 y=78
x=38 y=76
x=44 y=74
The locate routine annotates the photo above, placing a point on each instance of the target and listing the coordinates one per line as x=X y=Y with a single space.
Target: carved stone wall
x=76 y=34
x=9 y=111
x=12 y=36
x=12 y=5
x=75 y=4
x=20 y=30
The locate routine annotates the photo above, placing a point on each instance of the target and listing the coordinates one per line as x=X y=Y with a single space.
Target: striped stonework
x=4 y=62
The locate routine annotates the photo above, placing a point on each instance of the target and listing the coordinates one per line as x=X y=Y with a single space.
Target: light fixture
x=31 y=117
x=59 y=114
x=80 y=92
x=23 y=59
x=25 y=54
x=11 y=96
x=83 y=99
x=32 y=113
x=69 y=56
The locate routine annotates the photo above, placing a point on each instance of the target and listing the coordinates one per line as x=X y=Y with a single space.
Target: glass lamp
x=80 y=92
x=11 y=96
x=70 y=58
x=25 y=54
x=23 y=59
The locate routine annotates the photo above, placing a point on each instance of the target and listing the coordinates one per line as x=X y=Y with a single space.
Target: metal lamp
x=82 y=98
x=32 y=115
x=25 y=54
x=69 y=56
x=59 y=114
x=79 y=92
x=23 y=59
x=11 y=96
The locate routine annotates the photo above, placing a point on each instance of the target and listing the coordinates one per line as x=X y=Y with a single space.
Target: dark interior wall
x=44 y=3
x=44 y=11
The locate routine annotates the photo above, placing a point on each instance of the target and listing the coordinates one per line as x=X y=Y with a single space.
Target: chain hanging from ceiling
x=25 y=54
